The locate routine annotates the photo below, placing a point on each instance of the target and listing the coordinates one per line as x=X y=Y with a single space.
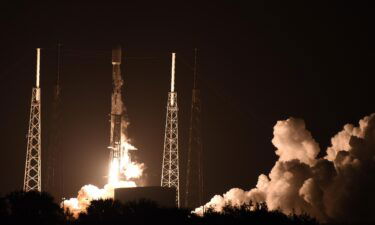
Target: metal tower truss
x=194 y=175
x=170 y=168
x=194 y=181
x=53 y=175
x=32 y=179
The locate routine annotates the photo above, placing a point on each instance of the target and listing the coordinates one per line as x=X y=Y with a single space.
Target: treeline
x=39 y=208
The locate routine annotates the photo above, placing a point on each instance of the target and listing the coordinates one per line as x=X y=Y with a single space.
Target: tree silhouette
x=30 y=208
x=253 y=214
x=101 y=211
x=138 y=212
x=38 y=208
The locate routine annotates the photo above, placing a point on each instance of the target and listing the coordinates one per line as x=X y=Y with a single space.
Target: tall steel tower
x=194 y=181
x=54 y=174
x=32 y=179
x=170 y=167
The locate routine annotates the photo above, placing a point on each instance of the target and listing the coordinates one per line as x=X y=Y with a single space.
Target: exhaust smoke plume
x=337 y=187
x=130 y=172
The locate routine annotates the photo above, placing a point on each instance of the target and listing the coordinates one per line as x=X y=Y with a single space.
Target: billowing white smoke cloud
x=90 y=192
x=337 y=187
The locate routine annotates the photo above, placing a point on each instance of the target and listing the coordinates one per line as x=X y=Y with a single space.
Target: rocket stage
x=163 y=196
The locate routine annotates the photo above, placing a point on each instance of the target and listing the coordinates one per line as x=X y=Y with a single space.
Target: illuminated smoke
x=90 y=192
x=130 y=171
x=337 y=187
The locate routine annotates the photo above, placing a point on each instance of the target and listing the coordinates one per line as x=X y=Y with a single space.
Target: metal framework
x=170 y=167
x=32 y=178
x=194 y=175
x=54 y=174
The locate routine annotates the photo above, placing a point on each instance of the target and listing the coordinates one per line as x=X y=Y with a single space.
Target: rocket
x=117 y=108
x=120 y=157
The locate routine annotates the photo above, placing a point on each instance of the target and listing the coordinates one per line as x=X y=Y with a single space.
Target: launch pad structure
x=194 y=175
x=53 y=155
x=119 y=144
x=32 y=178
x=170 y=167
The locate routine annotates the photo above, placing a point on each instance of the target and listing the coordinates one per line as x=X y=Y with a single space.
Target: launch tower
x=32 y=178
x=194 y=181
x=170 y=167
x=54 y=156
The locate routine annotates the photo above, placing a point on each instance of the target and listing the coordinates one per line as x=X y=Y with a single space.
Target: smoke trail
x=337 y=187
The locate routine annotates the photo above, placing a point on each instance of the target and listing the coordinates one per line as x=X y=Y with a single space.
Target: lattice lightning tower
x=194 y=175
x=53 y=176
x=32 y=179
x=170 y=167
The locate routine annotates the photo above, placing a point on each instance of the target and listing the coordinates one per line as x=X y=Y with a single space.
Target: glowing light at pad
x=133 y=170
x=129 y=172
x=113 y=176
x=124 y=169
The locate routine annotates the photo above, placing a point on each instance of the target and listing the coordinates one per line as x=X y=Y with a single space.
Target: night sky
x=258 y=63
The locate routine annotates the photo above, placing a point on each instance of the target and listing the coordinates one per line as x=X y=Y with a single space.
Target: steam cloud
x=337 y=187
x=91 y=192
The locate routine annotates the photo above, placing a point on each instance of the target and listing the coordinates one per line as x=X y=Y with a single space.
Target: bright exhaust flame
x=113 y=176
x=129 y=171
x=133 y=170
